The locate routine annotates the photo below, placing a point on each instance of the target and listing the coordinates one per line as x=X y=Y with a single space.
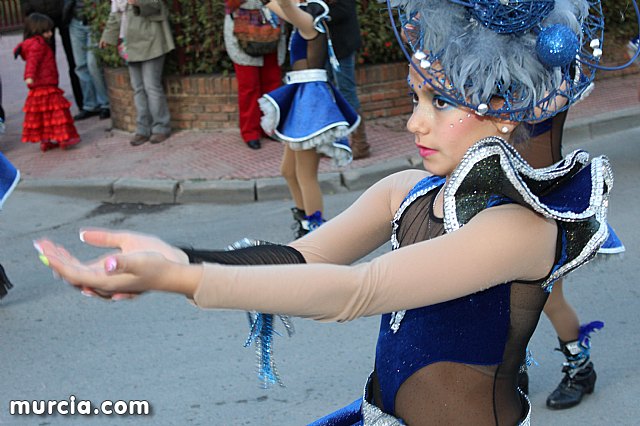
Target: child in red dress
x=47 y=119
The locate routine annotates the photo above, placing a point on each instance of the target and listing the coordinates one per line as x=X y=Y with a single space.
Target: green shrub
x=620 y=20
x=198 y=32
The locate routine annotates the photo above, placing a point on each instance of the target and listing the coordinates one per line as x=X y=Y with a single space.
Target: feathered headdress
x=537 y=56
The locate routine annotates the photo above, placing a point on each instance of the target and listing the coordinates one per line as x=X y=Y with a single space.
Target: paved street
x=190 y=364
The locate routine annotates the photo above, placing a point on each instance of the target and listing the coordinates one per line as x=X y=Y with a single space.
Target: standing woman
x=140 y=29
x=256 y=75
x=308 y=113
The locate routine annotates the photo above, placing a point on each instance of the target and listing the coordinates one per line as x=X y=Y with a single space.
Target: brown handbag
x=256 y=34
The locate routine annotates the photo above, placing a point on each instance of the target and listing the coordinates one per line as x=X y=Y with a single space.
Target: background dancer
x=308 y=114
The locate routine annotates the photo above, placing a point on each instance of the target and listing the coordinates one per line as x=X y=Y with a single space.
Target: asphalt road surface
x=191 y=366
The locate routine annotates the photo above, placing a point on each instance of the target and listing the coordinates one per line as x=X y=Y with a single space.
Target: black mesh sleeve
x=269 y=254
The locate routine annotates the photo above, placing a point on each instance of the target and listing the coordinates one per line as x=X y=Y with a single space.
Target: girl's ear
x=505 y=127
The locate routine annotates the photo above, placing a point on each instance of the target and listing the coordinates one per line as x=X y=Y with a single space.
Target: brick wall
x=208 y=102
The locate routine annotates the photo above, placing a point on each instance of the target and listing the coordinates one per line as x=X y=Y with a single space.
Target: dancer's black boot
x=579 y=375
x=5 y=284
x=298 y=228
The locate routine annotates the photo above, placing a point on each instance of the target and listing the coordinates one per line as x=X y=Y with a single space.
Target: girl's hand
x=57 y=256
x=121 y=276
x=128 y=274
x=131 y=242
x=28 y=81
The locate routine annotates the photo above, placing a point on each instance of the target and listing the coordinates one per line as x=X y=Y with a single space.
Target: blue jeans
x=346 y=79
x=152 y=111
x=88 y=70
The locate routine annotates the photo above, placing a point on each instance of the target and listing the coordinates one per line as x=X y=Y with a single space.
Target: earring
x=504 y=129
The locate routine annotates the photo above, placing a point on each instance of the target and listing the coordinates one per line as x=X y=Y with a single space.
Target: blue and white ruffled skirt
x=308 y=112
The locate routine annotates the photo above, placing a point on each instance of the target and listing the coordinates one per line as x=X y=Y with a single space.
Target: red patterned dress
x=47 y=119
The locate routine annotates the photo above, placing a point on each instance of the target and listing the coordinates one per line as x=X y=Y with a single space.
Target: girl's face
x=443 y=132
x=47 y=34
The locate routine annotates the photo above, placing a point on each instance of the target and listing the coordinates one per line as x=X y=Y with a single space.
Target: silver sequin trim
x=515 y=167
x=373 y=416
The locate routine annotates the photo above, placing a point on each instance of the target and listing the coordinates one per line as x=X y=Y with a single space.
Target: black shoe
x=105 y=113
x=254 y=144
x=84 y=114
x=138 y=140
x=5 y=284
x=570 y=391
x=298 y=229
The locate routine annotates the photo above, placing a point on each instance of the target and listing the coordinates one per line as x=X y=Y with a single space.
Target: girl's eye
x=414 y=98
x=441 y=103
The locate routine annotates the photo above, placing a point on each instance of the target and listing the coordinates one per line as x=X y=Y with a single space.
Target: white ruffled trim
x=323 y=141
x=270 y=115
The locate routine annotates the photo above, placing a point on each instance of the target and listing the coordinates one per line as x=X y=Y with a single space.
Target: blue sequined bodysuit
x=457 y=362
x=473 y=342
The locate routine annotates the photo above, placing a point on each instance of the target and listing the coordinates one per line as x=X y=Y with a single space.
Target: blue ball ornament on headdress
x=557 y=46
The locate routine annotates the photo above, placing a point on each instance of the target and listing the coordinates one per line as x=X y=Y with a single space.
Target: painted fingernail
x=118 y=297
x=82 y=236
x=86 y=293
x=37 y=247
x=110 y=264
x=44 y=259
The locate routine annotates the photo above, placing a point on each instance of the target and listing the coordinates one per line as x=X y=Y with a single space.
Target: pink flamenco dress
x=47 y=119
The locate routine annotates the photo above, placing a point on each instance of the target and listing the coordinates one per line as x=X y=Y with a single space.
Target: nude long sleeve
x=421 y=274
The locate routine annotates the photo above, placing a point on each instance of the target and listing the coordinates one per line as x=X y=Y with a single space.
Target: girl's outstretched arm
x=499 y=245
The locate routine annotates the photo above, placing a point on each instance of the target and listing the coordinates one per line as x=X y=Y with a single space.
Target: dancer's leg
x=307 y=163
x=288 y=171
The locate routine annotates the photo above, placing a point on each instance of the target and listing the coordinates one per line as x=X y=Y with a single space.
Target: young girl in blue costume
x=308 y=114
x=478 y=238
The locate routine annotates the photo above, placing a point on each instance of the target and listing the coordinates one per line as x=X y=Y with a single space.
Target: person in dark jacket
x=345 y=33
x=53 y=9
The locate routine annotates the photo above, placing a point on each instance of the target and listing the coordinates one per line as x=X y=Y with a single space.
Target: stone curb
x=166 y=191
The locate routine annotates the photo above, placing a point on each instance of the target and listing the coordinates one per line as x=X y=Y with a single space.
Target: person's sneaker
x=612 y=244
x=105 y=113
x=138 y=140
x=84 y=114
x=159 y=137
